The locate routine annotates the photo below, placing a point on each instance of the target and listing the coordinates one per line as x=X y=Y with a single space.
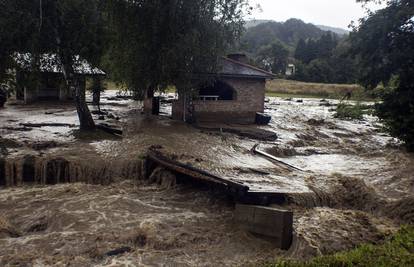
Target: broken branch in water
x=267 y=155
x=47 y=124
x=109 y=129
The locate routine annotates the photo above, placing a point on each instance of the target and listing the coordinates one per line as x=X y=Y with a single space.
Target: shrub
x=397 y=113
x=396 y=251
x=350 y=112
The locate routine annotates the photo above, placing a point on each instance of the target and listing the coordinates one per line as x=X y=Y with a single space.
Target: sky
x=335 y=13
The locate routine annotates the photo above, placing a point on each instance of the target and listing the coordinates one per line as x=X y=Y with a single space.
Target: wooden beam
x=237 y=189
x=255 y=150
x=240 y=192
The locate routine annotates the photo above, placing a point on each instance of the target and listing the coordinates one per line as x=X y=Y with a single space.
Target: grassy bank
x=398 y=250
x=283 y=88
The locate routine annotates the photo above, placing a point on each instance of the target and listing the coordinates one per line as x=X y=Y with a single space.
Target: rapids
x=67 y=197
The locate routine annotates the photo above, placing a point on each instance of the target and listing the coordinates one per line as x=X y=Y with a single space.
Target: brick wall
x=250 y=94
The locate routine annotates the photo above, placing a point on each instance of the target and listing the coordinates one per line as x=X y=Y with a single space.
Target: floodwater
x=355 y=185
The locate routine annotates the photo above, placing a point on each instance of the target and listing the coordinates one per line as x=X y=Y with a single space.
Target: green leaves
x=275 y=55
x=167 y=42
x=384 y=46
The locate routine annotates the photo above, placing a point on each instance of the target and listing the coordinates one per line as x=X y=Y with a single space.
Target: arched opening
x=218 y=90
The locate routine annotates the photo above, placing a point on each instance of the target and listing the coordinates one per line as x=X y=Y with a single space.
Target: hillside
x=336 y=30
x=256 y=22
x=289 y=32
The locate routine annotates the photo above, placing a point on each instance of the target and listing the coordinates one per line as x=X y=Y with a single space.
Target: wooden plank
x=234 y=187
x=269 y=222
x=239 y=191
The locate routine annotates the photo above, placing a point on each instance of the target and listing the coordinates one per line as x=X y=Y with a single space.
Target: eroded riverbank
x=356 y=185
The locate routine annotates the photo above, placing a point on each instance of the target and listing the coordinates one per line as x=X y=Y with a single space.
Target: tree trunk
x=66 y=60
x=96 y=92
x=3 y=97
x=85 y=117
x=148 y=100
x=84 y=114
x=96 y=97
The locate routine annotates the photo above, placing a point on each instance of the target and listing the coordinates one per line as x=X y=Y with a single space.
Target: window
x=219 y=90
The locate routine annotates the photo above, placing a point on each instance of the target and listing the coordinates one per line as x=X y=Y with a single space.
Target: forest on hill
x=318 y=55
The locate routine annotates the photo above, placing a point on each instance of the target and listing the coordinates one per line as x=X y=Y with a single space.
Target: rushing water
x=355 y=186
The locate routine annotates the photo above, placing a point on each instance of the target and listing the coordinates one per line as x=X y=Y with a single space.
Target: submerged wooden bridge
x=240 y=192
x=250 y=209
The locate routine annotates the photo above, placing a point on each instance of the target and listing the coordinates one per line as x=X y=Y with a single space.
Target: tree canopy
x=319 y=56
x=274 y=57
x=289 y=33
x=169 y=42
x=145 y=44
x=384 y=47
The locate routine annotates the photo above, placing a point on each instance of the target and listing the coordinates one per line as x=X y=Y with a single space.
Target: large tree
x=67 y=28
x=384 y=46
x=170 y=42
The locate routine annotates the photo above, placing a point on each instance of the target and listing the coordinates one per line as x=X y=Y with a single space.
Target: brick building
x=235 y=96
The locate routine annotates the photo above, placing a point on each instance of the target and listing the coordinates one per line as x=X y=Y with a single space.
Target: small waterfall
x=312 y=199
x=49 y=170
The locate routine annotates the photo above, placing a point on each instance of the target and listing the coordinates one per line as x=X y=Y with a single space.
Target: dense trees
x=325 y=60
x=170 y=42
x=289 y=33
x=319 y=56
x=147 y=45
x=274 y=57
x=384 y=47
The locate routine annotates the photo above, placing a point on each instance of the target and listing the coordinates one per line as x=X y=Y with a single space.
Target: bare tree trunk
x=96 y=92
x=96 y=98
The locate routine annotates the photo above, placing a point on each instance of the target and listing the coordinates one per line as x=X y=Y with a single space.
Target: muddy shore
x=73 y=199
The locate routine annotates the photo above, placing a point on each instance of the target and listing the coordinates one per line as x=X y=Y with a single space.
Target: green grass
x=289 y=88
x=295 y=95
x=398 y=250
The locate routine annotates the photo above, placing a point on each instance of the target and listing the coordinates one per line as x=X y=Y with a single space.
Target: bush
x=350 y=112
x=397 y=113
x=396 y=251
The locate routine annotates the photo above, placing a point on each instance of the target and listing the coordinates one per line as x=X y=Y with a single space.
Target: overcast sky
x=336 y=13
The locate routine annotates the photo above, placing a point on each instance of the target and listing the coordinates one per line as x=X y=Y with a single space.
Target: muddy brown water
x=356 y=186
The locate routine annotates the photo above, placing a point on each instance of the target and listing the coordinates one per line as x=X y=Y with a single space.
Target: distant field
x=281 y=87
x=289 y=88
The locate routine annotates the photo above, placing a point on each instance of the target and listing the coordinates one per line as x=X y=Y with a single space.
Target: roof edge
x=270 y=74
